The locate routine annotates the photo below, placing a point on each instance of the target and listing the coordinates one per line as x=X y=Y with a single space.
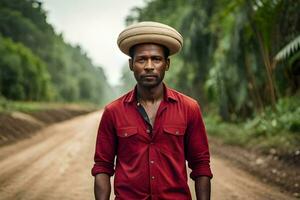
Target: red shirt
x=151 y=164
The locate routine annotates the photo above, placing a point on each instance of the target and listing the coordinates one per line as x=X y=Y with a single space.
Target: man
x=152 y=130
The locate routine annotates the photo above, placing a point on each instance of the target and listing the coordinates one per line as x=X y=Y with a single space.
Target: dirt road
x=56 y=163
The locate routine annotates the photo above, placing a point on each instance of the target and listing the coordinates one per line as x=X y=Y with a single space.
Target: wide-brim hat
x=150 y=32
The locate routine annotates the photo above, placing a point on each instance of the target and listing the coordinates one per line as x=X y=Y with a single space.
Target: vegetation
x=241 y=58
x=270 y=131
x=23 y=75
x=127 y=81
x=229 y=51
x=38 y=65
x=8 y=106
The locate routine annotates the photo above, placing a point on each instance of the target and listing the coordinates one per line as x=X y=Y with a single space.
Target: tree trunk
x=253 y=88
x=267 y=63
x=265 y=55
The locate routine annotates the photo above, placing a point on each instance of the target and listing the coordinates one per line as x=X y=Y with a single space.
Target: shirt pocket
x=172 y=139
x=128 y=141
x=174 y=130
x=126 y=132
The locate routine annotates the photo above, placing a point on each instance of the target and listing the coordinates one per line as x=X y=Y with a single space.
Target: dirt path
x=56 y=163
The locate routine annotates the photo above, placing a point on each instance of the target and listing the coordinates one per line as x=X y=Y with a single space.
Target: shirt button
x=125 y=134
x=177 y=132
x=153 y=177
x=148 y=131
x=152 y=161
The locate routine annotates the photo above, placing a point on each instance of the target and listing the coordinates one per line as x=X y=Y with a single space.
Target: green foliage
x=13 y=24
x=23 y=76
x=30 y=9
x=279 y=131
x=39 y=65
x=8 y=106
x=228 y=52
x=289 y=49
x=286 y=118
x=227 y=62
x=127 y=80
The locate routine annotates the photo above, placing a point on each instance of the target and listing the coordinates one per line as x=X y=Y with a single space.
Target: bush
x=285 y=118
x=269 y=130
x=23 y=76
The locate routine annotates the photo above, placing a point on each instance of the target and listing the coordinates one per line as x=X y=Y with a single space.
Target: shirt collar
x=168 y=95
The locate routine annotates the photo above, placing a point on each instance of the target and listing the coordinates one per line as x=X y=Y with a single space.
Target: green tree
x=228 y=58
x=23 y=76
x=72 y=74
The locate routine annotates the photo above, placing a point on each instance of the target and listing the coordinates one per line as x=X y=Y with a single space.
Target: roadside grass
x=8 y=106
x=268 y=132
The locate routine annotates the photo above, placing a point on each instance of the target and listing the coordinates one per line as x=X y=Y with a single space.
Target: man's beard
x=147 y=84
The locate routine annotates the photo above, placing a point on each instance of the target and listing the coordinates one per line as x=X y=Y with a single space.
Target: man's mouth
x=149 y=76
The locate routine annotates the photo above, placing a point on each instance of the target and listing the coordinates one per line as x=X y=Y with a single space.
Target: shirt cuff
x=202 y=171
x=97 y=169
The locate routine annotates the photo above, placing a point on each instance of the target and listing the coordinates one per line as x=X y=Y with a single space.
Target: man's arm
x=102 y=187
x=202 y=188
x=197 y=153
x=103 y=168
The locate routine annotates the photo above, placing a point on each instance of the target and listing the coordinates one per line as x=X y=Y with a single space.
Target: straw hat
x=150 y=32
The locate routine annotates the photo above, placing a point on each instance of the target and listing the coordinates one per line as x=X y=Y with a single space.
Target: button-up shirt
x=151 y=164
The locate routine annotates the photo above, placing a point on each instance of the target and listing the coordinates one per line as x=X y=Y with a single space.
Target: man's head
x=149 y=62
x=149 y=45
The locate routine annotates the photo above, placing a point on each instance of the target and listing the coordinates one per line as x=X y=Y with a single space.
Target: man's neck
x=150 y=95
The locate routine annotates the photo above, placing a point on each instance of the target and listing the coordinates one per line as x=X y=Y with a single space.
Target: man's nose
x=149 y=64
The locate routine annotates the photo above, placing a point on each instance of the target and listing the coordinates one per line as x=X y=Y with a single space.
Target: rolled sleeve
x=197 y=150
x=105 y=146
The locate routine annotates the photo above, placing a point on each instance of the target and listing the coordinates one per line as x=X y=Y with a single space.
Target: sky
x=95 y=26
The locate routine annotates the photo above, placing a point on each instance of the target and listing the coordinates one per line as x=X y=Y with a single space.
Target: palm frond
x=289 y=49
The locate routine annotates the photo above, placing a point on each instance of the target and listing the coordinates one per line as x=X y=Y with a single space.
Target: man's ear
x=168 y=64
x=130 y=63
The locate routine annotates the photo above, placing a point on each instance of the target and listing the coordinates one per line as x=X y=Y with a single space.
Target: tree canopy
x=229 y=53
x=37 y=64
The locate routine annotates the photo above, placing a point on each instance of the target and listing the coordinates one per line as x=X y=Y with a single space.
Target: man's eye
x=141 y=60
x=157 y=59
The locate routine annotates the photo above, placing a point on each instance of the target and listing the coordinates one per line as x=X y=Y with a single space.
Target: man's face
x=149 y=64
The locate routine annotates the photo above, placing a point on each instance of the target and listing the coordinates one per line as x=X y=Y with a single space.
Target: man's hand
x=102 y=187
x=202 y=188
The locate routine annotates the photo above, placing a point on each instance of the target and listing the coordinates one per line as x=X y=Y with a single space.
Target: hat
x=150 y=32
